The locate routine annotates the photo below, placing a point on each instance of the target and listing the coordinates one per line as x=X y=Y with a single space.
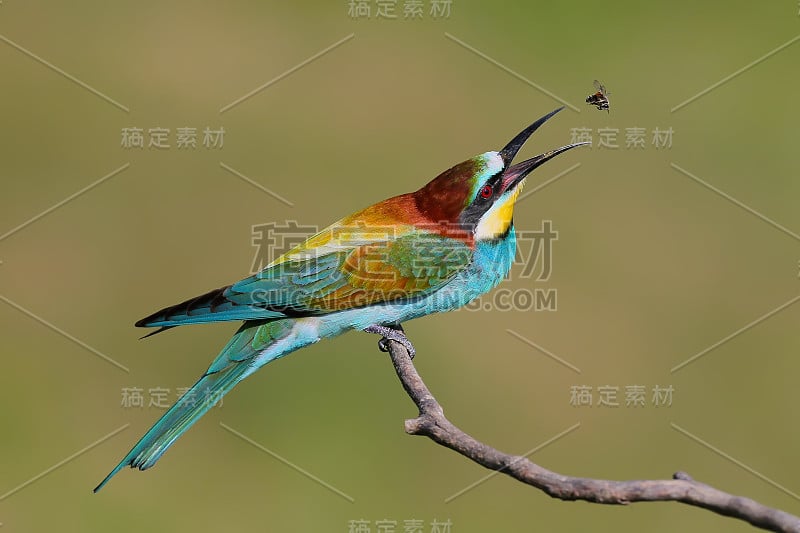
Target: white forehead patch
x=494 y=164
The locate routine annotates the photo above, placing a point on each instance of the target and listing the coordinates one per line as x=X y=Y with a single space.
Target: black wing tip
x=147 y=322
x=181 y=311
x=159 y=330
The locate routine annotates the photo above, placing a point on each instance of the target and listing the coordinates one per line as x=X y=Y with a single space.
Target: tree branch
x=432 y=423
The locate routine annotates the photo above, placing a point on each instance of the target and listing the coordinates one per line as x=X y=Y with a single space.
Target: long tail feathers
x=232 y=365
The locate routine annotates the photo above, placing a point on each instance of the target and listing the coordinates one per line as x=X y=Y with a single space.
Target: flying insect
x=600 y=98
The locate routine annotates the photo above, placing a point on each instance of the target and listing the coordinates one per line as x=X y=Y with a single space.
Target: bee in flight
x=600 y=98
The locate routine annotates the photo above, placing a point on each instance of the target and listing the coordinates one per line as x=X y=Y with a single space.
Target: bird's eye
x=486 y=192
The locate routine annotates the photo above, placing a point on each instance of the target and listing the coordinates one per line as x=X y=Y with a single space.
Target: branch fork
x=682 y=488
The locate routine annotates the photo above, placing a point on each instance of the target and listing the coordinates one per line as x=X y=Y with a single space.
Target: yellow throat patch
x=495 y=221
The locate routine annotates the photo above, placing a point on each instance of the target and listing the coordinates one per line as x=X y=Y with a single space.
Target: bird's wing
x=343 y=267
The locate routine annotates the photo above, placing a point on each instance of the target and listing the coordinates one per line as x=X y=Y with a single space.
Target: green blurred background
x=650 y=266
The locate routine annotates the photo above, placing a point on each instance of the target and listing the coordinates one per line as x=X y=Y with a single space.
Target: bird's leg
x=394 y=332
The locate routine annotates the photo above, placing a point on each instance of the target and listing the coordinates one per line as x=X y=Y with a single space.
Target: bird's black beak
x=514 y=174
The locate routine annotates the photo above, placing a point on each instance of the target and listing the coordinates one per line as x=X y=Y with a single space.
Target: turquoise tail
x=236 y=361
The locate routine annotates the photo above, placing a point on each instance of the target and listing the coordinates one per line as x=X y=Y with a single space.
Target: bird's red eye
x=486 y=192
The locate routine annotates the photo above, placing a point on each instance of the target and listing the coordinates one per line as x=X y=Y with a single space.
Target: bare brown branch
x=432 y=423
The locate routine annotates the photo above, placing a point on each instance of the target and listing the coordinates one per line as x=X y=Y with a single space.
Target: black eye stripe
x=480 y=204
x=492 y=183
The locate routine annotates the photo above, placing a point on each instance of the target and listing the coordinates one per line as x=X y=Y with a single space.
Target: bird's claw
x=383 y=344
x=394 y=334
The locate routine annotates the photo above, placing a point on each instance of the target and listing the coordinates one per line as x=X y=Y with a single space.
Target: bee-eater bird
x=419 y=253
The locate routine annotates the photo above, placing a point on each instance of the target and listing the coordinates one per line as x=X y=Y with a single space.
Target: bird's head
x=478 y=195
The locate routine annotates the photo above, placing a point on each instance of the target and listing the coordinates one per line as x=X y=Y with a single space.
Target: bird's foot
x=394 y=333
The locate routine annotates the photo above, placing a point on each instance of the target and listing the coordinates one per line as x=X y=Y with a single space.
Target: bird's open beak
x=514 y=174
